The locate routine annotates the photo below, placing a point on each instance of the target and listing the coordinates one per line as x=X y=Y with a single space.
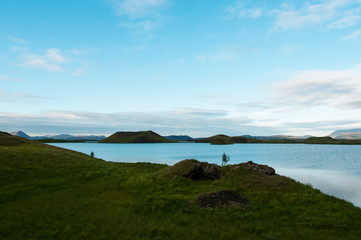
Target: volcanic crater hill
x=135 y=137
x=221 y=139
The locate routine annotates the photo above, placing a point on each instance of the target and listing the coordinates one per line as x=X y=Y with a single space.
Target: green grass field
x=52 y=193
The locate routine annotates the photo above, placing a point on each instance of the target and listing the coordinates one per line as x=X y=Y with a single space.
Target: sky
x=204 y=67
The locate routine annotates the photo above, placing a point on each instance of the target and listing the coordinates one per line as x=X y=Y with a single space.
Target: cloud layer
x=331 y=13
x=195 y=122
x=313 y=88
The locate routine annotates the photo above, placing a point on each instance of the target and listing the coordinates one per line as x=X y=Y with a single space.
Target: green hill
x=222 y=139
x=217 y=139
x=321 y=140
x=330 y=140
x=52 y=193
x=135 y=137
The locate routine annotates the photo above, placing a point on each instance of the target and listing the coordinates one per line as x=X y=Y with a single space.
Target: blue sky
x=180 y=67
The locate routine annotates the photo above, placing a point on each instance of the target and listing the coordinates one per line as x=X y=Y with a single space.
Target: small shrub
x=225 y=159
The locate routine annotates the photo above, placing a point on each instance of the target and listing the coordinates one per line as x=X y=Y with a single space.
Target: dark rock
x=258 y=168
x=203 y=170
x=221 y=199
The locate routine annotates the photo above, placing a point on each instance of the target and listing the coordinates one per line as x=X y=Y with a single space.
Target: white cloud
x=314 y=88
x=314 y=102
x=77 y=73
x=6 y=96
x=251 y=13
x=5 y=78
x=145 y=25
x=139 y=26
x=16 y=40
x=201 y=112
x=353 y=35
x=54 y=54
x=139 y=15
x=19 y=49
x=37 y=62
x=214 y=58
x=137 y=8
x=50 y=61
x=82 y=51
x=345 y=22
x=201 y=58
x=333 y=13
x=238 y=10
x=195 y=122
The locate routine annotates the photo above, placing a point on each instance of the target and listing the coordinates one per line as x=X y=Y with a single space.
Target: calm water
x=334 y=169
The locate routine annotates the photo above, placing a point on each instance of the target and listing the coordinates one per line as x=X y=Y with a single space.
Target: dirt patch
x=221 y=199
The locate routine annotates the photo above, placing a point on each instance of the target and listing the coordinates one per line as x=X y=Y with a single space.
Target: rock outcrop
x=259 y=168
x=254 y=167
x=203 y=170
x=221 y=199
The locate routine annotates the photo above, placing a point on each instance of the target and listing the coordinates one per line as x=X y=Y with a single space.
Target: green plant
x=225 y=159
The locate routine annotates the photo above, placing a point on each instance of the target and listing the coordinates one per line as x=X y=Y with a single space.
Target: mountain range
x=350 y=134
x=66 y=137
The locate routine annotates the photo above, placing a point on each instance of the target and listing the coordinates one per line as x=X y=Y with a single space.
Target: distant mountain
x=179 y=138
x=351 y=134
x=277 y=137
x=135 y=137
x=66 y=137
x=20 y=134
x=78 y=137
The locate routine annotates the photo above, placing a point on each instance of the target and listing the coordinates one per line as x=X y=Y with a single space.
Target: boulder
x=203 y=170
x=221 y=199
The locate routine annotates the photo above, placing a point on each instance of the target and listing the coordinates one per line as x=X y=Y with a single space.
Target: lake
x=334 y=169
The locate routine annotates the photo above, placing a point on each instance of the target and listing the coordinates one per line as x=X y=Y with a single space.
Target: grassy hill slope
x=135 y=137
x=52 y=193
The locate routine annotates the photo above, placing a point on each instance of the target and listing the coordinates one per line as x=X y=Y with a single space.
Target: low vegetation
x=52 y=193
